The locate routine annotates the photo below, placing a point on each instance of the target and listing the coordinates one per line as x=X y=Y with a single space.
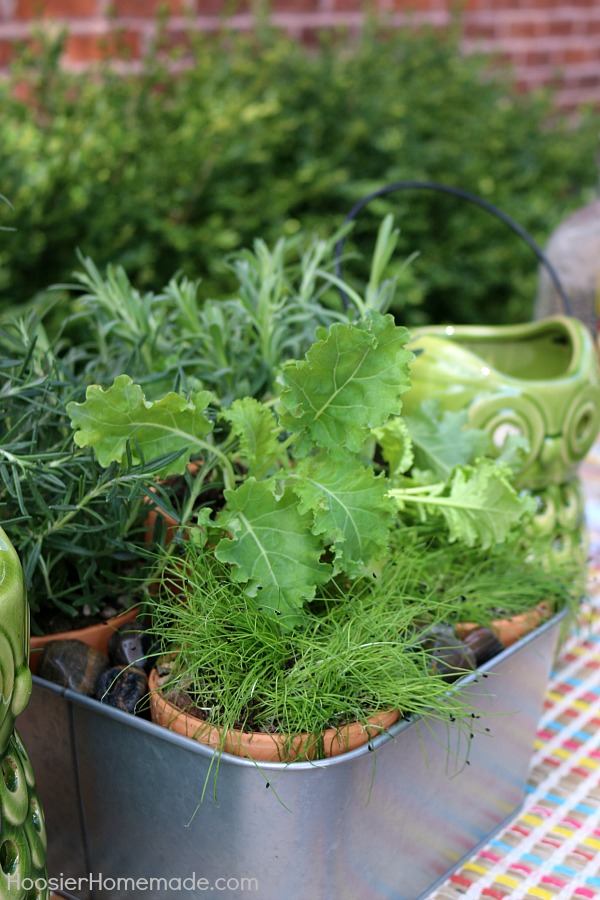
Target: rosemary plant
x=73 y=521
x=233 y=345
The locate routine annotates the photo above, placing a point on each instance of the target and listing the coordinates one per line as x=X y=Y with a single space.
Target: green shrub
x=261 y=136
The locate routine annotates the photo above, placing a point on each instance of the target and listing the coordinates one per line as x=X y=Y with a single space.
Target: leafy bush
x=260 y=135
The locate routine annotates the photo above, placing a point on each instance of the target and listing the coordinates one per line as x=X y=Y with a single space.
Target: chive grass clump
x=360 y=648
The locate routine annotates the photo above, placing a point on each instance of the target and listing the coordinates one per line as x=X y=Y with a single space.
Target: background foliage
x=261 y=136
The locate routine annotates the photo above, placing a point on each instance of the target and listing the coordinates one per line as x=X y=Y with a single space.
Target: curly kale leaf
x=350 y=382
x=272 y=549
x=120 y=420
x=442 y=440
x=351 y=510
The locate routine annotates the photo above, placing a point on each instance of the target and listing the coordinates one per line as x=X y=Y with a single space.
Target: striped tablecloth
x=552 y=847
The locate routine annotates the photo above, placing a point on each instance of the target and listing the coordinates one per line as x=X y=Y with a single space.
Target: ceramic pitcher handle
x=470 y=198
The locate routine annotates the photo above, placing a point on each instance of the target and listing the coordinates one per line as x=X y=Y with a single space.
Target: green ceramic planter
x=22 y=829
x=540 y=379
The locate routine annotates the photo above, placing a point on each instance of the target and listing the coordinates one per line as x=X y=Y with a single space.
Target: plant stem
x=412 y=491
x=18 y=460
x=87 y=499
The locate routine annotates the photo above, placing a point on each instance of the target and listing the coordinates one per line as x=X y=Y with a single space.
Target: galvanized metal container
x=122 y=798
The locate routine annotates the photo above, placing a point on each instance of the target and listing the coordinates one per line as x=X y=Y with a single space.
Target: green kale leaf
x=351 y=510
x=441 y=440
x=119 y=420
x=350 y=382
x=272 y=549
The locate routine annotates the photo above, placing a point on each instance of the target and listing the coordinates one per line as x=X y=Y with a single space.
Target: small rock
x=450 y=656
x=108 y=612
x=130 y=645
x=484 y=644
x=121 y=687
x=72 y=664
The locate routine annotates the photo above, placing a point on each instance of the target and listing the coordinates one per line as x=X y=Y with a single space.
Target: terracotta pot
x=259 y=746
x=509 y=631
x=171 y=524
x=349 y=737
x=96 y=636
x=150 y=522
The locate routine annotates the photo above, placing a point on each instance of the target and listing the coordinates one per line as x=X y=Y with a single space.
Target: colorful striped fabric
x=551 y=850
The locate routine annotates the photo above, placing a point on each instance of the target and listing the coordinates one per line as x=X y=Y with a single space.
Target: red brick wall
x=548 y=41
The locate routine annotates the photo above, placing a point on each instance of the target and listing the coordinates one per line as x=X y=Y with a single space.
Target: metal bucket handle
x=463 y=195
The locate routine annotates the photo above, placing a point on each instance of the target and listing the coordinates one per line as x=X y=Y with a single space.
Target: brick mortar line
x=324 y=18
x=102 y=25
x=568 y=15
x=548 y=41
x=534 y=14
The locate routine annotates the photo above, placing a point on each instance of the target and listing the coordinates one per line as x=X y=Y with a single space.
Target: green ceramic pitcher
x=538 y=379
x=22 y=831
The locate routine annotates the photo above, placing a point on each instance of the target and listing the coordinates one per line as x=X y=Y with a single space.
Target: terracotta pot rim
x=97 y=635
x=154 y=511
x=264 y=746
x=512 y=628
